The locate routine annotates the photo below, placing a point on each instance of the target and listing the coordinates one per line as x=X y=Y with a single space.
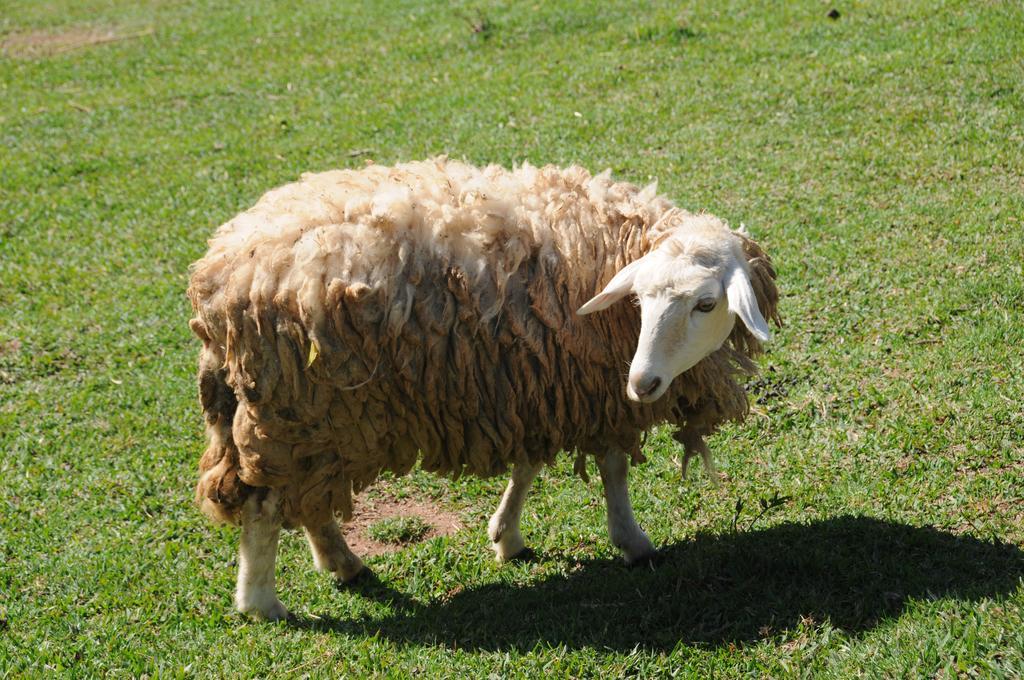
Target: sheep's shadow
x=852 y=571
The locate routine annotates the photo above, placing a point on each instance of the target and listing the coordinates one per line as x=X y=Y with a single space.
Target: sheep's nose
x=647 y=386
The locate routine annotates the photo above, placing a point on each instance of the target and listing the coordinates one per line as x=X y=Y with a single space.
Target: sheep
x=357 y=321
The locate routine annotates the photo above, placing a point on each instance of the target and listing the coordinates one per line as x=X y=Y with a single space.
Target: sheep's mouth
x=647 y=397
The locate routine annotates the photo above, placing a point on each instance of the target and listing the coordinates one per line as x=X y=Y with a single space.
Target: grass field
x=878 y=156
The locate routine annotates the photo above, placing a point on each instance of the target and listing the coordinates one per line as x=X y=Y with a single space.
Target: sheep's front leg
x=331 y=552
x=261 y=526
x=503 y=528
x=625 y=533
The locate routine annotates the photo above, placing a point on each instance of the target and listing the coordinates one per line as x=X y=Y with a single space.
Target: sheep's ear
x=619 y=287
x=743 y=302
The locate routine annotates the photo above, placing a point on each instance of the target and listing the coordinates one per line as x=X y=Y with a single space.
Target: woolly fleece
x=357 y=320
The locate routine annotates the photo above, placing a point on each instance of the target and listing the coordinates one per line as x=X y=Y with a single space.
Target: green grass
x=398 y=530
x=879 y=158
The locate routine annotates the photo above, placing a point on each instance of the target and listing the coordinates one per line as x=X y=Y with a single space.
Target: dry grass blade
x=48 y=43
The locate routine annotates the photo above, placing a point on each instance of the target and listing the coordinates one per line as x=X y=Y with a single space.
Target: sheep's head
x=691 y=288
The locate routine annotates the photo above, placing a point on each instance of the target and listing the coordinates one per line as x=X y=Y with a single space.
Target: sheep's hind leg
x=694 y=444
x=625 y=533
x=503 y=529
x=261 y=526
x=331 y=552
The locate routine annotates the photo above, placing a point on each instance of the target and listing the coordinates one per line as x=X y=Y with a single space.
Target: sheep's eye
x=706 y=304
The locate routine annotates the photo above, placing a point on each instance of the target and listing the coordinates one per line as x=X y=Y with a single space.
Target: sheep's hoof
x=646 y=559
x=508 y=546
x=514 y=553
x=526 y=554
x=268 y=611
x=363 y=576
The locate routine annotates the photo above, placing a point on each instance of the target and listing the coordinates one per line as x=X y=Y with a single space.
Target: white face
x=688 y=306
x=682 y=320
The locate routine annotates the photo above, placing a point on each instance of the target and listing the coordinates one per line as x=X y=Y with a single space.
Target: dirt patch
x=47 y=43
x=10 y=347
x=372 y=510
